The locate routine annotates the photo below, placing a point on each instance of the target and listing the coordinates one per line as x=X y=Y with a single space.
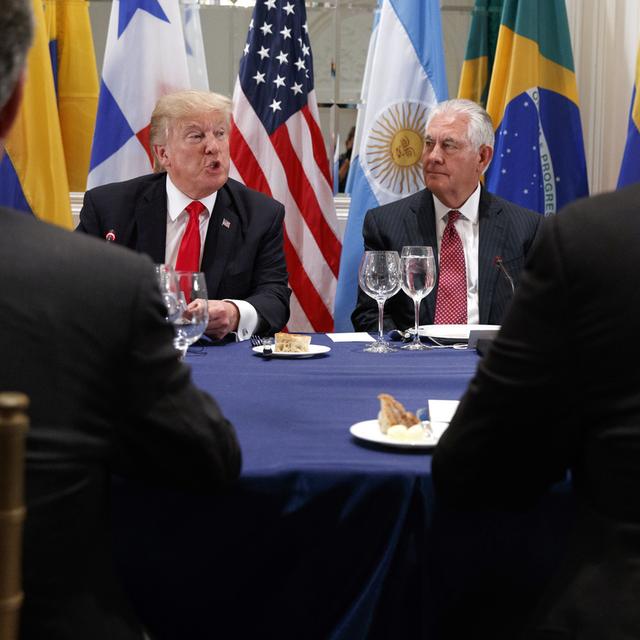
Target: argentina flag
x=539 y=159
x=630 y=169
x=404 y=77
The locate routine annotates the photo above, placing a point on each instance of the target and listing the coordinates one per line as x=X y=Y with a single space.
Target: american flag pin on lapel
x=225 y=223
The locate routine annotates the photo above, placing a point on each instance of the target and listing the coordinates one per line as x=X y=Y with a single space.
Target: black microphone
x=497 y=261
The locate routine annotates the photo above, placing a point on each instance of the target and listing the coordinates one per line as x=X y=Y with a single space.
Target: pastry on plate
x=393 y=412
x=292 y=343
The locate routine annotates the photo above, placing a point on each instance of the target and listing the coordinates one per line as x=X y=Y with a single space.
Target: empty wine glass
x=168 y=284
x=379 y=277
x=193 y=317
x=418 y=279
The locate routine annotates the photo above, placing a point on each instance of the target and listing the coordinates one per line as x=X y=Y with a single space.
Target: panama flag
x=145 y=58
x=404 y=77
x=539 y=159
x=194 y=44
x=630 y=169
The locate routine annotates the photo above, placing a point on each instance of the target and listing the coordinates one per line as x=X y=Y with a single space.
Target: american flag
x=277 y=148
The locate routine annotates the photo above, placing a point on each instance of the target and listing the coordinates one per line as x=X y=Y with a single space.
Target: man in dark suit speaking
x=191 y=215
x=83 y=334
x=480 y=241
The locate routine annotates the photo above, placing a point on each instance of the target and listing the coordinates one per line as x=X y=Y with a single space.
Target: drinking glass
x=418 y=279
x=379 y=277
x=192 y=319
x=168 y=283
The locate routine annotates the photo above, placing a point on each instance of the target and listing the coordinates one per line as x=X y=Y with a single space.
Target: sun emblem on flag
x=393 y=148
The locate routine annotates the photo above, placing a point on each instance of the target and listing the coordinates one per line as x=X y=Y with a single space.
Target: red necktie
x=451 y=300
x=189 y=251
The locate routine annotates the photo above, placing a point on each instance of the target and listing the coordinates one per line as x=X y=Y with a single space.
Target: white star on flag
x=265 y=28
x=263 y=53
x=283 y=57
x=288 y=8
x=259 y=77
x=275 y=105
x=279 y=81
x=286 y=33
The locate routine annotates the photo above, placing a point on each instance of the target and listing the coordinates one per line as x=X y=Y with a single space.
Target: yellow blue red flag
x=630 y=169
x=539 y=159
x=76 y=79
x=33 y=176
x=481 y=51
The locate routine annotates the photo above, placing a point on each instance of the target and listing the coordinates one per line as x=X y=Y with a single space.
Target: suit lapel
x=224 y=233
x=491 y=242
x=425 y=224
x=151 y=221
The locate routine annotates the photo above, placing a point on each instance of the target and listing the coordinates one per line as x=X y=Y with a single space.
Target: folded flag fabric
x=539 y=159
x=630 y=169
x=404 y=77
x=145 y=58
x=481 y=51
x=33 y=176
x=277 y=148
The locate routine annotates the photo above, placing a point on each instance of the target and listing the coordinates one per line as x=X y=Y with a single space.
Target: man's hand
x=223 y=318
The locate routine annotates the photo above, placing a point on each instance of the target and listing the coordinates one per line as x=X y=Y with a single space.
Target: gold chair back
x=13 y=428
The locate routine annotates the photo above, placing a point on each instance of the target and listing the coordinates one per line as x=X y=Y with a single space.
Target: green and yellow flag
x=539 y=159
x=481 y=49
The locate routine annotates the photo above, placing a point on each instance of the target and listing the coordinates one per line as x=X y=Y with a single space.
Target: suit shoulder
x=126 y=188
x=45 y=243
x=408 y=203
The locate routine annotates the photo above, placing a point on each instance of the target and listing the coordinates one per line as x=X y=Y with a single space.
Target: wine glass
x=379 y=277
x=192 y=319
x=418 y=279
x=168 y=284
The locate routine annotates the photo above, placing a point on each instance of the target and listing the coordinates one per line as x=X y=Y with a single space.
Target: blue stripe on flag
x=630 y=168
x=11 y=193
x=416 y=19
x=112 y=129
x=347 y=291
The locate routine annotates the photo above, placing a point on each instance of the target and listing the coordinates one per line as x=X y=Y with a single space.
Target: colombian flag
x=76 y=80
x=33 y=175
x=539 y=159
x=630 y=169
x=481 y=50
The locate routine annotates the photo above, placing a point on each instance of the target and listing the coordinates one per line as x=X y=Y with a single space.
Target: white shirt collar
x=178 y=201
x=468 y=210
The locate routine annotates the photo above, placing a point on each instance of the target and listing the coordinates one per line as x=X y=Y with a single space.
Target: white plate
x=314 y=350
x=455 y=332
x=369 y=430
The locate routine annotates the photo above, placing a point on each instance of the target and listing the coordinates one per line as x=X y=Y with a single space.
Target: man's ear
x=486 y=153
x=160 y=152
x=9 y=111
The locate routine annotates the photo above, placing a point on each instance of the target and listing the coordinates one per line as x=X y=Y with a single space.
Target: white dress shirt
x=468 y=228
x=177 y=218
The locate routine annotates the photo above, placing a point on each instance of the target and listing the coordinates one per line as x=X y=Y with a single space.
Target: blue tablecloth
x=324 y=536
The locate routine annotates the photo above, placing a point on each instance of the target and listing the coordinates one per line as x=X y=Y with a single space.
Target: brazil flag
x=539 y=159
x=481 y=50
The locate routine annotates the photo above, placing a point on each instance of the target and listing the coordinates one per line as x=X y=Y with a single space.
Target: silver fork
x=256 y=341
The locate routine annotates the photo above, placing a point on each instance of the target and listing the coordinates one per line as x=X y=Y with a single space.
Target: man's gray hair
x=480 y=127
x=16 y=32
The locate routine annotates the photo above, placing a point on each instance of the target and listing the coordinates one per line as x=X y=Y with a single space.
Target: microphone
x=499 y=264
x=110 y=236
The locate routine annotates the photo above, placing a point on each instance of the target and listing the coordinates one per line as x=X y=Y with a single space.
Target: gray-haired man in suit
x=495 y=234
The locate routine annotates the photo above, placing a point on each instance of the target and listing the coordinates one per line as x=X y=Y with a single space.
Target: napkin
x=440 y=414
x=354 y=336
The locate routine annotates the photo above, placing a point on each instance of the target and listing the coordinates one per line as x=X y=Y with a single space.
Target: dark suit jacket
x=83 y=334
x=559 y=390
x=243 y=260
x=506 y=230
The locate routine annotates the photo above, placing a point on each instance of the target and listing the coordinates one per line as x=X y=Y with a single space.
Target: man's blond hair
x=179 y=105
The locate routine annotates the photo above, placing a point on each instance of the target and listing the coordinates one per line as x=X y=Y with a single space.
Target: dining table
x=327 y=535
